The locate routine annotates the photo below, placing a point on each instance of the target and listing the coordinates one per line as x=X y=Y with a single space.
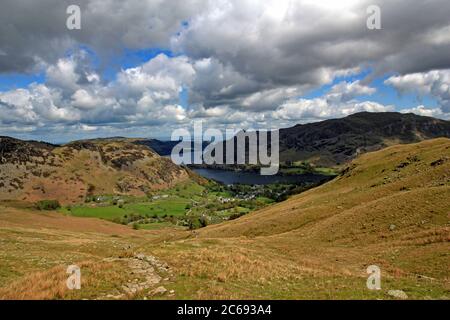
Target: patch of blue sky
x=388 y=95
x=125 y=59
x=13 y=81
x=319 y=92
x=131 y=58
x=184 y=98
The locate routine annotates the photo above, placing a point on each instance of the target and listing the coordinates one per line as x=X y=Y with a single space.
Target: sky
x=142 y=68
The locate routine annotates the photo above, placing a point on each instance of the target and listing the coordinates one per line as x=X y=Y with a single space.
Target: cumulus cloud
x=346 y=91
x=34 y=32
x=428 y=112
x=145 y=95
x=434 y=83
x=320 y=109
x=241 y=61
x=163 y=77
x=338 y=102
x=305 y=44
x=82 y=99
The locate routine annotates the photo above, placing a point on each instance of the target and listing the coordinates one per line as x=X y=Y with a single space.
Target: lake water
x=235 y=177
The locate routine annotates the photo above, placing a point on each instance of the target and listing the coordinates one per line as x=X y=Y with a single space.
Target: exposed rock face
x=18 y=151
x=35 y=171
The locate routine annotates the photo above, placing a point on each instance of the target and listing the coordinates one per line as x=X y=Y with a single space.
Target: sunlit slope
x=397 y=193
x=33 y=171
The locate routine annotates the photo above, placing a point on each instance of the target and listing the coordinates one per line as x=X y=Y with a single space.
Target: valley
x=389 y=208
x=187 y=206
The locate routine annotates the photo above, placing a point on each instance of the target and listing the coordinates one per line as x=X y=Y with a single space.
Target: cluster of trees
x=48 y=205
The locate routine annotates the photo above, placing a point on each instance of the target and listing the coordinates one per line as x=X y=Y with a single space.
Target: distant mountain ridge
x=338 y=141
x=163 y=148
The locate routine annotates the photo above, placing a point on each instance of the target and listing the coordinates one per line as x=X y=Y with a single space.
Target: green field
x=107 y=212
x=303 y=167
x=188 y=205
x=175 y=206
x=180 y=206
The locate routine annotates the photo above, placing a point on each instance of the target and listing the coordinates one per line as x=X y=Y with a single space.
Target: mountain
x=32 y=171
x=337 y=141
x=163 y=148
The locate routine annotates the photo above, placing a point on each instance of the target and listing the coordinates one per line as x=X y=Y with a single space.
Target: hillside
x=163 y=148
x=389 y=208
x=402 y=185
x=337 y=141
x=32 y=171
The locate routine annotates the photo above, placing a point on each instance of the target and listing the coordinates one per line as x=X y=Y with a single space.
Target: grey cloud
x=35 y=31
x=242 y=61
x=309 y=44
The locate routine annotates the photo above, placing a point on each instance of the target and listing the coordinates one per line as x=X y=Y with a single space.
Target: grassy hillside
x=397 y=185
x=32 y=171
x=389 y=208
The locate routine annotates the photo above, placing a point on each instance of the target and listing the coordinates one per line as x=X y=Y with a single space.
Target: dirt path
x=148 y=274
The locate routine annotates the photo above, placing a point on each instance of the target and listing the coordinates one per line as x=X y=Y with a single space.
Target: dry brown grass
x=51 y=284
x=11 y=217
x=338 y=229
x=315 y=245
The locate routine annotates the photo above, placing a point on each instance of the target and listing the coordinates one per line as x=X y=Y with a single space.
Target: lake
x=235 y=177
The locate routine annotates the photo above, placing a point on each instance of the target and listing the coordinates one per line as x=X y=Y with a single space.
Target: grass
x=316 y=245
x=302 y=167
x=175 y=206
x=156 y=226
x=169 y=208
x=107 y=212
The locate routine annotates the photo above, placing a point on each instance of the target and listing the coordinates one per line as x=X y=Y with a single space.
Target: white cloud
x=82 y=99
x=346 y=91
x=242 y=61
x=338 y=102
x=434 y=83
x=162 y=78
x=85 y=127
x=319 y=109
x=428 y=112
x=75 y=96
x=63 y=74
x=268 y=99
